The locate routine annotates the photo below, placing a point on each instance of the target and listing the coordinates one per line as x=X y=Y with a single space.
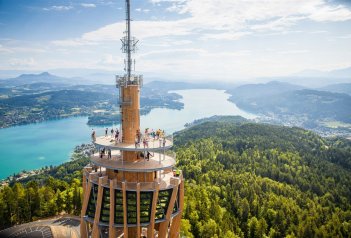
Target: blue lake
x=51 y=142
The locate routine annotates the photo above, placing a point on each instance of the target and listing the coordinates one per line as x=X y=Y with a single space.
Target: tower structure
x=133 y=190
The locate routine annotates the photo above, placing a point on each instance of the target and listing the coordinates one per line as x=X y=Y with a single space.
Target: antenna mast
x=128 y=47
x=129 y=56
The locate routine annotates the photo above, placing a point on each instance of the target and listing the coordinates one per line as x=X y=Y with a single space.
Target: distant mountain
x=338 y=88
x=25 y=79
x=316 y=105
x=338 y=73
x=293 y=105
x=262 y=90
x=313 y=78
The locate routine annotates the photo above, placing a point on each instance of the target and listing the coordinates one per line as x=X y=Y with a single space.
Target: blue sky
x=225 y=40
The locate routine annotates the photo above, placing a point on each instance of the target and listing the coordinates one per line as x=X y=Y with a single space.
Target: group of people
x=114 y=134
x=154 y=135
x=103 y=151
x=148 y=134
x=140 y=137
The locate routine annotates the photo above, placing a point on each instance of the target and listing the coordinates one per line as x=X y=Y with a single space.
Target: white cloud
x=231 y=14
x=279 y=24
x=196 y=51
x=329 y=13
x=88 y=5
x=345 y=37
x=22 y=62
x=142 y=10
x=4 y=49
x=160 y=1
x=58 y=8
x=110 y=60
x=141 y=29
x=289 y=52
x=226 y=35
x=174 y=8
x=319 y=32
x=233 y=18
x=73 y=42
x=218 y=39
x=21 y=49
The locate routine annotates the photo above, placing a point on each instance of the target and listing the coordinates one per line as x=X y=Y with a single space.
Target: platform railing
x=161 y=143
x=163 y=183
x=125 y=81
x=165 y=159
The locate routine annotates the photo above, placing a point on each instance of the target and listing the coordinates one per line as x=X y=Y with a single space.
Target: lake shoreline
x=33 y=146
x=83 y=149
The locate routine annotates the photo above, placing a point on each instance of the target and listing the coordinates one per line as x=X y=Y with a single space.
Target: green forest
x=243 y=179
x=255 y=180
x=57 y=190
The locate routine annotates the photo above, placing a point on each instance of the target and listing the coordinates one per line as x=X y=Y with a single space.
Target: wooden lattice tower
x=125 y=194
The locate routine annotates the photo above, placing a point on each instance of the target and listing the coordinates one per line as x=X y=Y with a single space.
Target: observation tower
x=131 y=187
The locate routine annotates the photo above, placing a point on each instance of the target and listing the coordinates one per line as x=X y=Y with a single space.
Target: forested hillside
x=242 y=180
x=56 y=190
x=255 y=180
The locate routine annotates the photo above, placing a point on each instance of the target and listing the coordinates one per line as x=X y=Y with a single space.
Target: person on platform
x=145 y=142
x=138 y=135
x=117 y=135
x=148 y=154
x=158 y=134
x=153 y=134
x=164 y=141
x=146 y=132
x=93 y=136
x=109 y=153
x=112 y=131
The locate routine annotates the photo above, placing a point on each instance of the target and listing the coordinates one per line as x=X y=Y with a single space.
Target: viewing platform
x=156 y=162
x=152 y=145
x=163 y=183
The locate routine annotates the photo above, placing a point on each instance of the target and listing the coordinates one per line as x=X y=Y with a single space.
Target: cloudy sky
x=179 y=39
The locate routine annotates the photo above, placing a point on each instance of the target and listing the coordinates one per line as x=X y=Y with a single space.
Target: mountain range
x=308 y=78
x=282 y=102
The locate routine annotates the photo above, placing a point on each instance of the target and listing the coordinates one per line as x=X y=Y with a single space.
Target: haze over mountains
x=307 y=78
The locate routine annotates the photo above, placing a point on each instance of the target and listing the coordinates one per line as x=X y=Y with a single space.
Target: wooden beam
x=95 y=233
x=164 y=225
x=150 y=228
x=138 y=209
x=176 y=221
x=112 y=229
x=125 y=224
x=83 y=225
